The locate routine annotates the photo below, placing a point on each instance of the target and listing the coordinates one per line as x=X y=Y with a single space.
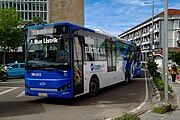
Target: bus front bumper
x=46 y=93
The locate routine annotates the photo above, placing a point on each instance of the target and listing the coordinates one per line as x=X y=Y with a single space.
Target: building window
x=30 y=16
x=26 y=16
x=34 y=6
x=45 y=16
x=41 y=7
x=37 y=7
x=14 y=5
x=22 y=6
x=45 y=7
x=18 y=6
x=10 y=4
x=26 y=6
x=22 y=15
x=30 y=6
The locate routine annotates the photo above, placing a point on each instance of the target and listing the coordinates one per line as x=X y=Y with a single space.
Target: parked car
x=15 y=69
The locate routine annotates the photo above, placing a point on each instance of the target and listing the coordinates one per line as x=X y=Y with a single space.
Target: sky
x=116 y=16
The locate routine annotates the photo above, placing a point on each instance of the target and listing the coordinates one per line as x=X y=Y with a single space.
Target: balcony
x=156 y=39
x=156 y=30
x=178 y=38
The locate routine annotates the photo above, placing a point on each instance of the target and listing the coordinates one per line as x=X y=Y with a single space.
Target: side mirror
x=10 y=67
x=125 y=58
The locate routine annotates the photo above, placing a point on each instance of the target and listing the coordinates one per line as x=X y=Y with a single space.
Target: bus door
x=78 y=65
x=113 y=76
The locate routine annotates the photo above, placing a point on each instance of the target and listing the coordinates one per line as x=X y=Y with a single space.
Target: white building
x=49 y=10
x=142 y=33
x=28 y=8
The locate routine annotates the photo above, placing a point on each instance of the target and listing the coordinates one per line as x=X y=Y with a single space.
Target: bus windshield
x=47 y=50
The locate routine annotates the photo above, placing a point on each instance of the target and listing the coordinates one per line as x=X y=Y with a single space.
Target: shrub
x=128 y=116
x=165 y=108
x=152 y=66
x=160 y=83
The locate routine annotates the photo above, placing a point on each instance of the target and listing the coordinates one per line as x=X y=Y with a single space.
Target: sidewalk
x=149 y=115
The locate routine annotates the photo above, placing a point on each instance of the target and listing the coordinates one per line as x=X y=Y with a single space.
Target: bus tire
x=127 y=78
x=93 y=87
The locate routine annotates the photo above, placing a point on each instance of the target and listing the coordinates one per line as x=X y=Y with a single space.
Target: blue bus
x=64 y=60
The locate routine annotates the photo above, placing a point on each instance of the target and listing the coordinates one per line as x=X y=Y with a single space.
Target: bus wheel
x=127 y=79
x=93 y=87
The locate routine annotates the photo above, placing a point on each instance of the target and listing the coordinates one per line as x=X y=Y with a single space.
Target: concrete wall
x=67 y=10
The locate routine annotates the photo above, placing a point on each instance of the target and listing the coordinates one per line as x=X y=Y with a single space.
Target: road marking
x=12 y=88
x=21 y=94
x=7 y=82
x=146 y=98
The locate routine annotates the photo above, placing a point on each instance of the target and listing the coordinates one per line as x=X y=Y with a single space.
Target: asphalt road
x=110 y=102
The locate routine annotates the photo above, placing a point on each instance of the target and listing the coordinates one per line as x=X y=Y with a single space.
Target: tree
x=38 y=20
x=11 y=36
x=175 y=56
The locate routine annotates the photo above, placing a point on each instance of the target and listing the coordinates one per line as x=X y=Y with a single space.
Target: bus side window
x=88 y=48
x=111 y=56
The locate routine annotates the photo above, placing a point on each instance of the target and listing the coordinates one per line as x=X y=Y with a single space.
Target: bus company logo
x=36 y=74
x=95 y=67
x=42 y=83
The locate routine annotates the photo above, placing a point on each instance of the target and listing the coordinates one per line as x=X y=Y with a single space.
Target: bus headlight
x=64 y=87
x=26 y=86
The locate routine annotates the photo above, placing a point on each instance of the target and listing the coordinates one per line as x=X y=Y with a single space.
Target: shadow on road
x=116 y=94
x=16 y=108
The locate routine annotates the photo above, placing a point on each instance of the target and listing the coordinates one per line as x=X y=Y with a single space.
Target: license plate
x=42 y=94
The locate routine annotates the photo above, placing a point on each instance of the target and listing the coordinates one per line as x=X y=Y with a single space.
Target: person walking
x=173 y=71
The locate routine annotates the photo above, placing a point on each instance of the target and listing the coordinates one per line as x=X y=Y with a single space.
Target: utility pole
x=152 y=36
x=165 y=51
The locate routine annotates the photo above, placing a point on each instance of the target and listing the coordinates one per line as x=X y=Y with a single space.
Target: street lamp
x=152 y=25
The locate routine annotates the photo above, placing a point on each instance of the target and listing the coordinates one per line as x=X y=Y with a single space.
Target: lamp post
x=152 y=25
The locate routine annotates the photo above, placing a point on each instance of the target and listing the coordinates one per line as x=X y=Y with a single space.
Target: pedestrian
x=5 y=67
x=173 y=71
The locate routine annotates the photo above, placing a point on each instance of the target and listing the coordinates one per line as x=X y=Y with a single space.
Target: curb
x=156 y=93
x=143 y=103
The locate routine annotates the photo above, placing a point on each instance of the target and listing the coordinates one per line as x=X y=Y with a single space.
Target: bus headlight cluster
x=26 y=86
x=64 y=87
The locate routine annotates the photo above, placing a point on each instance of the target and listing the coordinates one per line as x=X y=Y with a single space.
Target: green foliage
x=165 y=108
x=128 y=116
x=160 y=83
x=35 y=21
x=11 y=36
x=144 y=65
x=175 y=56
x=152 y=66
x=38 y=20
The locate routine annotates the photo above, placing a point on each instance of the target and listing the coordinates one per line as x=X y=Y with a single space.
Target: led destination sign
x=43 y=31
x=44 y=41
